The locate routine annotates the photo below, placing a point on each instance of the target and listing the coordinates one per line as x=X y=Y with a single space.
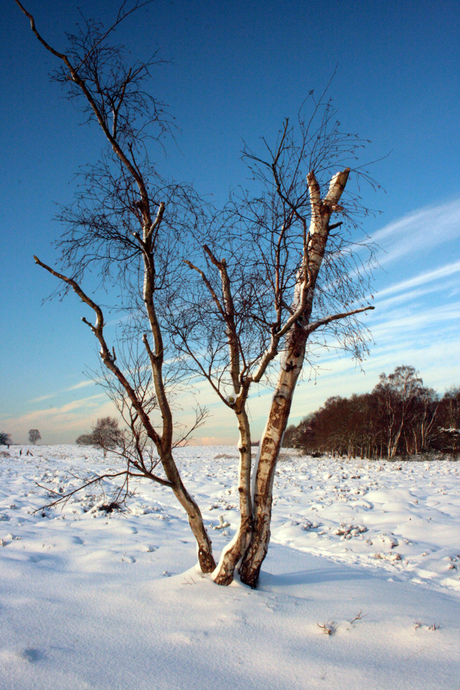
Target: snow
x=361 y=586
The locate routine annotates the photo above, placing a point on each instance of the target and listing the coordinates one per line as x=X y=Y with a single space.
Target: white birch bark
x=233 y=552
x=291 y=366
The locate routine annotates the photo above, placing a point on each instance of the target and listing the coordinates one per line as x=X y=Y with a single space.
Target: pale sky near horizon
x=237 y=69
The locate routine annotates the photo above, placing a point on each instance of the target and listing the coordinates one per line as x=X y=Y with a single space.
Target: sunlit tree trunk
x=291 y=366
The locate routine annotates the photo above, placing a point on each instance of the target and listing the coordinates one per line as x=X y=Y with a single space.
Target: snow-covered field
x=367 y=551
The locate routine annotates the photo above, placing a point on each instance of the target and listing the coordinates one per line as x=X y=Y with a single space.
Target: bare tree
x=84 y=440
x=34 y=436
x=422 y=423
x=106 y=435
x=448 y=433
x=275 y=274
x=397 y=394
x=287 y=273
x=127 y=221
x=5 y=439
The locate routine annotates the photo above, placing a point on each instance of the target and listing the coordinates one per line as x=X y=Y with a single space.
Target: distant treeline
x=400 y=417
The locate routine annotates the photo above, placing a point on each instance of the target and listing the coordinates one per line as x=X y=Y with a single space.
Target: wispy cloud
x=60 y=424
x=451 y=288
x=82 y=384
x=404 y=320
x=213 y=441
x=421 y=279
x=48 y=396
x=420 y=231
x=42 y=398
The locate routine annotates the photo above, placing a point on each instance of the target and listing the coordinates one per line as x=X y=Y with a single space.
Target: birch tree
x=275 y=273
x=126 y=222
x=278 y=272
x=397 y=394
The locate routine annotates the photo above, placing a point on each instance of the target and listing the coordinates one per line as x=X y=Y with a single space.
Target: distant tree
x=34 y=436
x=447 y=438
x=85 y=440
x=306 y=437
x=106 y=434
x=400 y=416
x=5 y=439
x=289 y=436
x=397 y=394
x=421 y=427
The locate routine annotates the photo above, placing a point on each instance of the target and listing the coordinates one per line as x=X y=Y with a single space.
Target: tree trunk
x=233 y=553
x=269 y=449
x=291 y=366
x=205 y=557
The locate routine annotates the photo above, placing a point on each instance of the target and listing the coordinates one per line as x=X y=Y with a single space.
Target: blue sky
x=237 y=69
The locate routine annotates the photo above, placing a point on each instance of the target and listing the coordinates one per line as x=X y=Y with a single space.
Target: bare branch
x=335 y=317
x=65 y=497
x=106 y=356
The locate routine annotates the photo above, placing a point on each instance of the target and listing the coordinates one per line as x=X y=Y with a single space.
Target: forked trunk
x=270 y=446
x=291 y=366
